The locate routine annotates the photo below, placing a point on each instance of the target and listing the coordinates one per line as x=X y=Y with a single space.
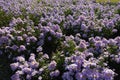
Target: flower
x=34 y=72
x=28 y=77
x=14 y=66
x=79 y=76
x=58 y=35
x=33 y=38
x=112 y=42
x=39 y=78
x=55 y=73
x=99 y=44
x=27 y=70
x=52 y=65
x=20 y=59
x=34 y=64
x=108 y=74
x=49 y=38
x=41 y=70
x=15 y=77
x=14 y=47
x=22 y=48
x=67 y=76
x=32 y=57
x=82 y=45
x=19 y=38
x=39 y=49
x=83 y=27
x=72 y=67
x=45 y=56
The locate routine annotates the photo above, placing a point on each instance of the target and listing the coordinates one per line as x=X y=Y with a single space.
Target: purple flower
x=52 y=32
x=45 y=56
x=19 y=72
x=15 y=77
x=32 y=57
x=27 y=70
x=39 y=78
x=14 y=66
x=20 y=59
x=25 y=64
x=67 y=76
x=19 y=38
x=80 y=76
x=1 y=32
x=114 y=30
x=49 y=38
x=97 y=38
x=33 y=39
x=25 y=35
x=105 y=41
x=22 y=48
x=108 y=74
x=39 y=49
x=82 y=45
x=112 y=42
x=84 y=35
x=72 y=67
x=34 y=72
x=82 y=18
x=99 y=44
x=28 y=77
x=110 y=24
x=27 y=39
x=34 y=64
x=55 y=73
x=83 y=27
x=40 y=43
x=41 y=70
x=52 y=65
x=58 y=35
x=56 y=27
x=3 y=39
x=14 y=47
x=46 y=29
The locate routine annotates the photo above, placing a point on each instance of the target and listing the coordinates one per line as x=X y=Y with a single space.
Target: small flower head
x=52 y=65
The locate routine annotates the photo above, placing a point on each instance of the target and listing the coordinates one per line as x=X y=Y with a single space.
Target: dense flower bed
x=59 y=40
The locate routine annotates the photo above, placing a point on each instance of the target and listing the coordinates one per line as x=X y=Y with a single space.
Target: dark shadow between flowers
x=116 y=67
x=50 y=46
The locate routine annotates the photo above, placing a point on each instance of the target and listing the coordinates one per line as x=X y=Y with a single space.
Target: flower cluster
x=59 y=40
